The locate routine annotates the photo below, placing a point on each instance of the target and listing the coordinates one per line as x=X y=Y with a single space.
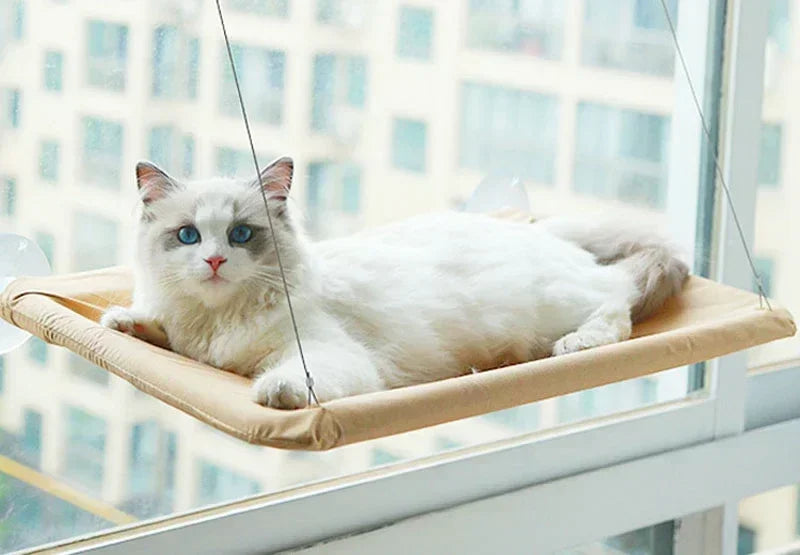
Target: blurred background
x=389 y=108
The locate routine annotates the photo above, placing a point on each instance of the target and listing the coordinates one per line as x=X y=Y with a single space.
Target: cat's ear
x=153 y=182
x=276 y=179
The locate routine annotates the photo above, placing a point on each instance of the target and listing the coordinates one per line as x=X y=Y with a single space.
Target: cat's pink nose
x=215 y=262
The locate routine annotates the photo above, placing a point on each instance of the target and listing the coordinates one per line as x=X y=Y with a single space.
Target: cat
x=431 y=297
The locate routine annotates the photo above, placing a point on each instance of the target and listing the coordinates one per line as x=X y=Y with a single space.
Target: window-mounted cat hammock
x=705 y=321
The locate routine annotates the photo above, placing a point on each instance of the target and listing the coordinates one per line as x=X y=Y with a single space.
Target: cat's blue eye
x=188 y=235
x=241 y=234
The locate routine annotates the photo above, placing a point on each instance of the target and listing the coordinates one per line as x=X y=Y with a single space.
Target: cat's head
x=211 y=239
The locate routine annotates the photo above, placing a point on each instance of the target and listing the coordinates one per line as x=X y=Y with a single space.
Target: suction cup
x=496 y=193
x=19 y=256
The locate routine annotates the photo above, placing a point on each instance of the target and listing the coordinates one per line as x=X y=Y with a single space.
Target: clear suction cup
x=496 y=193
x=19 y=256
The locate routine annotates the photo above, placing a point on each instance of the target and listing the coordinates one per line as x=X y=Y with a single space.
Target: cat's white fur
x=432 y=297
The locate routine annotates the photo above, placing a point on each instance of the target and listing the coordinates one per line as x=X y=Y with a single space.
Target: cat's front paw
x=276 y=390
x=119 y=318
x=126 y=321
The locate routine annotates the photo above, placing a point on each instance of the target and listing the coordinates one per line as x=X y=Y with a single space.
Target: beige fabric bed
x=707 y=320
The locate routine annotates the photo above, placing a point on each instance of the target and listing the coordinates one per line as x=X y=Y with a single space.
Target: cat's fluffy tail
x=655 y=264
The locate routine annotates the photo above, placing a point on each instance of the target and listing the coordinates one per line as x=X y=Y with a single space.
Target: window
x=217 y=484
x=234 y=162
x=382 y=456
x=631 y=35
x=508 y=132
x=348 y=14
x=273 y=8
x=37 y=350
x=187 y=158
x=769 y=158
x=176 y=63
x=31 y=439
x=779 y=24
x=261 y=77
x=160 y=140
x=11 y=108
x=107 y=55
x=48 y=160
x=766 y=269
x=94 y=240
x=529 y=27
x=8 y=197
x=409 y=144
x=339 y=91
x=333 y=198
x=621 y=154
x=414 y=33
x=12 y=20
x=151 y=483
x=53 y=70
x=47 y=243
x=768 y=521
x=102 y=152
x=85 y=448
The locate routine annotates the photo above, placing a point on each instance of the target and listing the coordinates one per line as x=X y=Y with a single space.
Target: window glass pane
x=409 y=139
x=107 y=55
x=53 y=70
x=414 y=33
x=770 y=521
x=777 y=199
x=577 y=104
x=530 y=27
x=48 y=161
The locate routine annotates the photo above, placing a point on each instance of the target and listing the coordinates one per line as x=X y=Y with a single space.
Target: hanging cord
x=312 y=396
x=762 y=296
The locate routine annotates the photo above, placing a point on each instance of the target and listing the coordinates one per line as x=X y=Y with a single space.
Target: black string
x=312 y=396
x=762 y=296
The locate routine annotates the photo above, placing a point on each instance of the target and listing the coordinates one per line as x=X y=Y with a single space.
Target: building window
x=48 y=160
x=12 y=99
x=769 y=157
x=531 y=28
x=151 y=482
x=233 y=162
x=160 y=140
x=333 y=198
x=380 y=457
x=779 y=24
x=53 y=70
x=415 y=33
x=766 y=270
x=261 y=77
x=339 y=87
x=632 y=35
x=746 y=542
x=343 y=13
x=508 y=132
x=108 y=55
x=520 y=419
x=187 y=155
x=621 y=154
x=31 y=440
x=8 y=197
x=82 y=368
x=409 y=143
x=219 y=484
x=176 y=63
x=94 y=242
x=47 y=243
x=102 y=152
x=37 y=350
x=272 y=8
x=85 y=448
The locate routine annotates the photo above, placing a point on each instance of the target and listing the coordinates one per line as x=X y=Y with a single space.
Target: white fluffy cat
x=432 y=297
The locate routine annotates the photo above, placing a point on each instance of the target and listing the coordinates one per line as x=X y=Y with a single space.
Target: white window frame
x=692 y=460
